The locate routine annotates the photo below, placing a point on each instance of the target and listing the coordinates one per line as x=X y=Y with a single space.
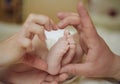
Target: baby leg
x=56 y=54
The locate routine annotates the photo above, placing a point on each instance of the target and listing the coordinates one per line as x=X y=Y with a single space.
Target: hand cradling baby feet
x=59 y=55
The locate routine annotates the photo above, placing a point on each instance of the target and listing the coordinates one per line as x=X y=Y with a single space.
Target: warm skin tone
x=18 y=47
x=64 y=48
x=92 y=45
x=24 y=74
x=30 y=52
x=28 y=47
x=65 y=45
x=99 y=61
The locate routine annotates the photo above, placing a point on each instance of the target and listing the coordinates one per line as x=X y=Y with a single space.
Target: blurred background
x=13 y=13
x=18 y=10
x=104 y=13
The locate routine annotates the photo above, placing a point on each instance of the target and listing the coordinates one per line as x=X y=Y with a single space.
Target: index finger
x=41 y=20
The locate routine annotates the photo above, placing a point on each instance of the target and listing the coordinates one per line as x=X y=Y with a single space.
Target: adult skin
x=18 y=47
x=99 y=61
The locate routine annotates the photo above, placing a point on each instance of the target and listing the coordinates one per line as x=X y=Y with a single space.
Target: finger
x=77 y=69
x=62 y=77
x=52 y=25
x=85 y=18
x=86 y=23
x=26 y=44
x=62 y=15
x=70 y=20
x=29 y=30
x=35 y=62
x=39 y=19
x=38 y=30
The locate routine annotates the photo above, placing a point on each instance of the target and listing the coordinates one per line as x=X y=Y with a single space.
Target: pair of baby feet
x=61 y=53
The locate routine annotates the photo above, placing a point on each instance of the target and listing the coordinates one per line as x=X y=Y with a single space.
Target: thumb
x=87 y=25
x=76 y=69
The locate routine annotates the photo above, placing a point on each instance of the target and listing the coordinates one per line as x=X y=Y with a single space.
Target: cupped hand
x=19 y=47
x=99 y=59
x=24 y=74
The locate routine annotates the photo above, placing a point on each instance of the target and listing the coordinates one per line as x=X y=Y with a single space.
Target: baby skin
x=60 y=53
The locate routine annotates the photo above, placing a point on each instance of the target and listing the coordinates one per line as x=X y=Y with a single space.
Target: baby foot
x=72 y=48
x=56 y=54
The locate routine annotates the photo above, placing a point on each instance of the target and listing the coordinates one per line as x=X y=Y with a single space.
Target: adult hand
x=24 y=74
x=99 y=60
x=20 y=46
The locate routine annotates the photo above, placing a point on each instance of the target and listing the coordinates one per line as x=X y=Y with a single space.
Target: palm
x=26 y=76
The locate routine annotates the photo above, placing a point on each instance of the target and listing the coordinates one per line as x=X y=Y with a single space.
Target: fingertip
x=81 y=9
x=79 y=5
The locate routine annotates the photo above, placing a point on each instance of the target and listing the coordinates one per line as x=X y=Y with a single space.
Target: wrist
x=9 y=50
